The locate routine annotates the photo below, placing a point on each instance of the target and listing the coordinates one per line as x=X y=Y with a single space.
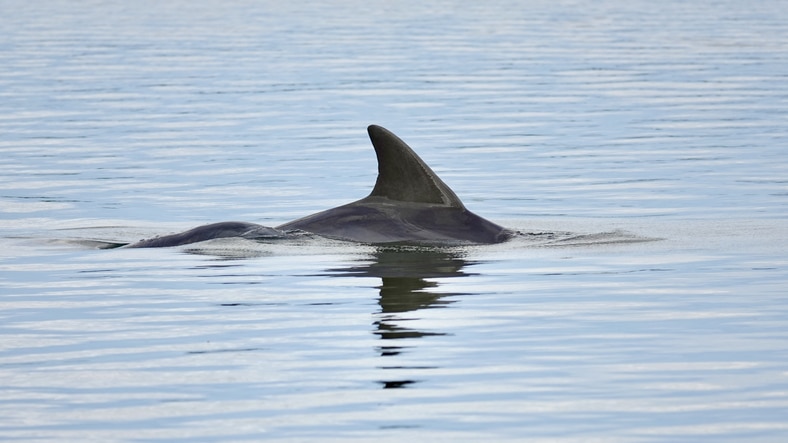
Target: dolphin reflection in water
x=409 y=277
x=409 y=204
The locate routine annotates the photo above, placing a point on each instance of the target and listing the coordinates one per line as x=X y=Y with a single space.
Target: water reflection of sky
x=662 y=118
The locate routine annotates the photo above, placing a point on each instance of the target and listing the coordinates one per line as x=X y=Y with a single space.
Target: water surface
x=665 y=121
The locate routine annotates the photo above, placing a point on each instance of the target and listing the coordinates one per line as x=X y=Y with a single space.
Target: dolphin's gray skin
x=409 y=204
x=209 y=232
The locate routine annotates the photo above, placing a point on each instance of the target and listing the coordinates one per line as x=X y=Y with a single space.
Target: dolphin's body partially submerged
x=409 y=204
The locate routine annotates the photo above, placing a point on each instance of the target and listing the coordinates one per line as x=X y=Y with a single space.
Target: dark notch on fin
x=403 y=176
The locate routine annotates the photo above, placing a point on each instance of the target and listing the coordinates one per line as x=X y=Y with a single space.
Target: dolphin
x=409 y=204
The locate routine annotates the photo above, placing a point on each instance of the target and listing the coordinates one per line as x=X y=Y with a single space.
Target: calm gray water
x=611 y=119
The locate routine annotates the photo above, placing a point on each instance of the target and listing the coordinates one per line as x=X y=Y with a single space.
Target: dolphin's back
x=409 y=204
x=210 y=232
x=377 y=220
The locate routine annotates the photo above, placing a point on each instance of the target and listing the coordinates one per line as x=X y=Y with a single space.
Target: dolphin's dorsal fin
x=403 y=176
